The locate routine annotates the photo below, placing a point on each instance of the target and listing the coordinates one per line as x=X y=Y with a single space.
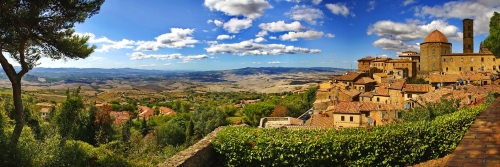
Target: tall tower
x=468 y=35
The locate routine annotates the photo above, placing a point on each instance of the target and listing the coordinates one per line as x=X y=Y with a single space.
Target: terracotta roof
x=436 y=36
x=381 y=59
x=413 y=55
x=417 y=88
x=357 y=107
x=350 y=76
x=167 y=111
x=409 y=51
x=448 y=78
x=364 y=80
x=382 y=91
x=145 y=111
x=397 y=84
x=295 y=121
x=367 y=94
x=43 y=104
x=351 y=92
x=368 y=58
x=321 y=121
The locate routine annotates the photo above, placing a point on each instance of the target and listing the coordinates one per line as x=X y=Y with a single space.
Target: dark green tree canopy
x=492 y=42
x=30 y=29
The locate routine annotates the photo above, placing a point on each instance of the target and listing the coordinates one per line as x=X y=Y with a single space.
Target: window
x=462 y=59
x=493 y=59
x=451 y=59
x=470 y=35
x=471 y=59
x=409 y=95
x=482 y=59
x=444 y=60
x=342 y=118
x=378 y=99
x=494 y=68
x=351 y=119
x=468 y=27
x=459 y=68
x=446 y=69
x=471 y=68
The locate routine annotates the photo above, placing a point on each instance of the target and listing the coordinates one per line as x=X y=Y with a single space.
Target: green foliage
x=492 y=41
x=207 y=119
x=35 y=29
x=189 y=132
x=144 y=127
x=492 y=96
x=254 y=112
x=170 y=134
x=418 y=81
x=396 y=144
x=431 y=110
x=309 y=97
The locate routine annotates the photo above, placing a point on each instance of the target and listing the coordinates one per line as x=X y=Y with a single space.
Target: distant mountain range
x=85 y=74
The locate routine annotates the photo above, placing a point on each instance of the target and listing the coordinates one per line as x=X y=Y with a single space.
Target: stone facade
x=430 y=56
x=469 y=62
x=468 y=35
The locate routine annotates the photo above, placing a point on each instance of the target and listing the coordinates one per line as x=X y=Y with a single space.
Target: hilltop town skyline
x=219 y=35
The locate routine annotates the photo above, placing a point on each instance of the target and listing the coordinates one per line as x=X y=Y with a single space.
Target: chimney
x=468 y=35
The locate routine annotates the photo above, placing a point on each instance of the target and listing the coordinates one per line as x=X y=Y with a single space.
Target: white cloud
x=413 y=30
x=235 y=25
x=218 y=23
x=211 y=42
x=223 y=37
x=339 y=9
x=408 y=2
x=316 y=2
x=481 y=11
x=168 y=64
x=372 y=5
x=209 y=21
x=123 y=44
x=249 y=8
x=272 y=37
x=395 y=45
x=205 y=30
x=280 y=26
x=107 y=43
x=249 y=47
x=177 y=38
x=147 y=65
x=294 y=36
x=275 y=62
x=214 y=29
x=259 y=39
x=305 y=13
x=261 y=33
x=330 y=35
x=141 y=56
x=256 y=62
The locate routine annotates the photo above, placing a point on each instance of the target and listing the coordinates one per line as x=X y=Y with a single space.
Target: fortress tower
x=468 y=35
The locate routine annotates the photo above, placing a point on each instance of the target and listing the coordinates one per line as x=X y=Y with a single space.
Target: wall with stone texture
x=200 y=154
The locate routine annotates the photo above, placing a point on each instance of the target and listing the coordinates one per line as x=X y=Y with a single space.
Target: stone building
x=436 y=56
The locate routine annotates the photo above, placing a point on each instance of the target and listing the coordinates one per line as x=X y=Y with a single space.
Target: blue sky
x=230 y=34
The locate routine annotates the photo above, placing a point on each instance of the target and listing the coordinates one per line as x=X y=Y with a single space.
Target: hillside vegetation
x=397 y=144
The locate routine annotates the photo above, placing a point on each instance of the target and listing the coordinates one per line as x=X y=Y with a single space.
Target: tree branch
x=8 y=68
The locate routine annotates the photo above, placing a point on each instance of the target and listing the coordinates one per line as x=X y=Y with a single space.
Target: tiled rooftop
x=357 y=107
x=367 y=94
x=321 y=121
x=364 y=80
x=397 y=84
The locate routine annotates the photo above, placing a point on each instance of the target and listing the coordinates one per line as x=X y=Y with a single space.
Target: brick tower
x=468 y=35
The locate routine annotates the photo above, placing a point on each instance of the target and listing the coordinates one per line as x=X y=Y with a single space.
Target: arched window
x=444 y=60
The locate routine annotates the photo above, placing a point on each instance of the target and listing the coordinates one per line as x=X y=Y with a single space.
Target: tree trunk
x=19 y=114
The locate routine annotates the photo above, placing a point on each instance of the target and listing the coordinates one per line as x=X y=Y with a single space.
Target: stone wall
x=200 y=154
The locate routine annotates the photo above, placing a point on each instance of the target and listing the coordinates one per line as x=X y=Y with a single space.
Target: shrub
x=396 y=144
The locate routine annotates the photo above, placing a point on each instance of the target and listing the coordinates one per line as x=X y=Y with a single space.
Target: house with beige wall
x=356 y=114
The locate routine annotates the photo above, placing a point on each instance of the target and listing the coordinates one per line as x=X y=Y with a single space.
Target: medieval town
x=380 y=89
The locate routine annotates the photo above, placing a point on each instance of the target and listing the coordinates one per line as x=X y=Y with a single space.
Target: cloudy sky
x=230 y=34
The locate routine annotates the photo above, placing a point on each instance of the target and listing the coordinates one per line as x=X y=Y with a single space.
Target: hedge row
x=397 y=144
